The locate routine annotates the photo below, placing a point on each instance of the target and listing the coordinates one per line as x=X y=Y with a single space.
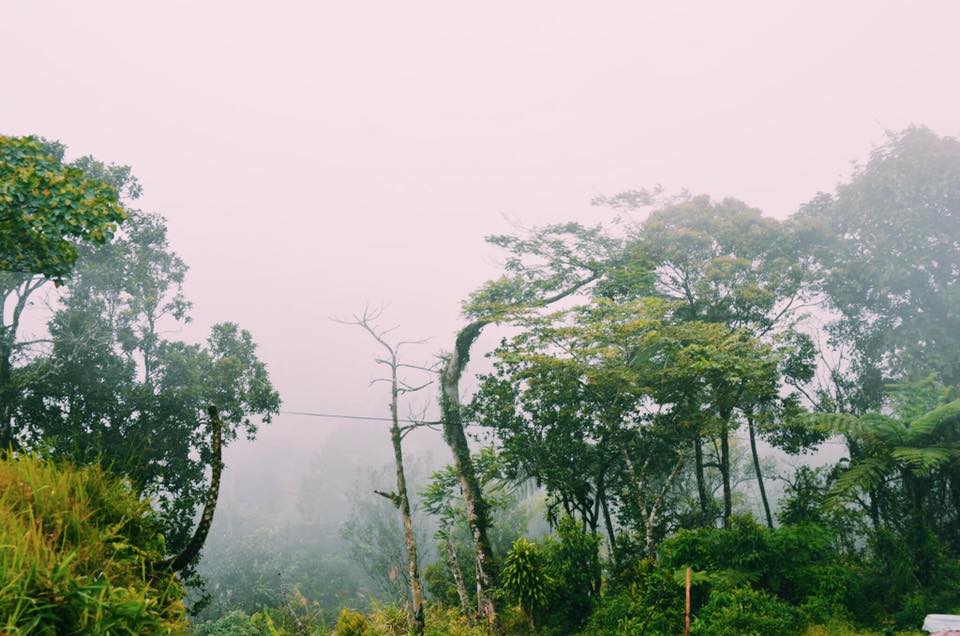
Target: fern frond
x=862 y=476
x=923 y=461
x=936 y=422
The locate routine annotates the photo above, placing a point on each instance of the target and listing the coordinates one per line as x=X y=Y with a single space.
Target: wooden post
x=686 y=613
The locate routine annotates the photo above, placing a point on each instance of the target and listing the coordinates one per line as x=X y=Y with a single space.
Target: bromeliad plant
x=524 y=577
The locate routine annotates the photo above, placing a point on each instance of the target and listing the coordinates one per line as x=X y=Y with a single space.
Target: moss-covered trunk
x=456 y=438
x=417 y=619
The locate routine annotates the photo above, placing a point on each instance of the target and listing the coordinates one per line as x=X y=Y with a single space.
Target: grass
x=76 y=552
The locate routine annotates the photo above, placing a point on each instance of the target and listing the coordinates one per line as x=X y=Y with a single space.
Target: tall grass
x=76 y=552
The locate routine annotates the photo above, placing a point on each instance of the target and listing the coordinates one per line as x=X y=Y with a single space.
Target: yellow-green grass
x=77 y=548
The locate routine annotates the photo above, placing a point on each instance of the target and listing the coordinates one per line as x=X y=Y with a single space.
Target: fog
x=311 y=158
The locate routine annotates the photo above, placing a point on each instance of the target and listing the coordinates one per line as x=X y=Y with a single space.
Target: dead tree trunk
x=450 y=554
x=402 y=502
x=400 y=498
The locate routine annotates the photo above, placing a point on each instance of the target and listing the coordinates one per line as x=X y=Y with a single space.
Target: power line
x=401 y=419
x=354 y=417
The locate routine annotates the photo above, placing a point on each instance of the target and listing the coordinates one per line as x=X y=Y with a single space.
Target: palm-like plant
x=524 y=577
x=914 y=446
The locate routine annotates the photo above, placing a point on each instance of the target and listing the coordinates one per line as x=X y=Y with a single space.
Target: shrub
x=236 y=623
x=651 y=604
x=77 y=548
x=351 y=623
x=524 y=576
x=744 y=611
x=573 y=568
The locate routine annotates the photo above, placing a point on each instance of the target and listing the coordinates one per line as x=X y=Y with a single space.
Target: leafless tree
x=368 y=321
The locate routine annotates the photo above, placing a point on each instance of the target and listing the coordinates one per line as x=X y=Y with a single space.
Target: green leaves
x=46 y=207
x=884 y=246
x=524 y=575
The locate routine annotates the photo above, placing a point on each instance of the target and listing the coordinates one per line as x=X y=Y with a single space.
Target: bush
x=744 y=611
x=524 y=577
x=573 y=567
x=236 y=623
x=651 y=604
x=351 y=623
x=78 y=554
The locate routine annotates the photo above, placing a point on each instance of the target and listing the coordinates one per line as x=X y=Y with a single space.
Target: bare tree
x=367 y=320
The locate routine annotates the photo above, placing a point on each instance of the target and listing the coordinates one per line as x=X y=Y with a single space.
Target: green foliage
x=78 y=555
x=46 y=207
x=744 y=611
x=574 y=571
x=885 y=244
x=351 y=623
x=391 y=620
x=235 y=623
x=524 y=577
x=113 y=391
x=651 y=603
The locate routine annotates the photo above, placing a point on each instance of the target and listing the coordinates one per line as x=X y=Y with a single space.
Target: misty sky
x=311 y=157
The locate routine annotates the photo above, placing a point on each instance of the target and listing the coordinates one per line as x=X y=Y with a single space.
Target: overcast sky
x=311 y=157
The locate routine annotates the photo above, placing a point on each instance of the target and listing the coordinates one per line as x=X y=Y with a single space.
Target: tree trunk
x=725 y=475
x=192 y=551
x=7 y=393
x=608 y=524
x=454 y=566
x=701 y=481
x=756 y=467
x=417 y=619
x=8 y=341
x=456 y=438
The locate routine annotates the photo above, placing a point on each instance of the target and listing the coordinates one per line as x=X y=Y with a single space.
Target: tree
x=886 y=246
x=112 y=390
x=46 y=205
x=49 y=212
x=726 y=263
x=546 y=267
x=400 y=497
x=909 y=459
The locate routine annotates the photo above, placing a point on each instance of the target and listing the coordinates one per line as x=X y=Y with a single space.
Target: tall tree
x=887 y=250
x=399 y=497
x=49 y=211
x=112 y=390
x=46 y=206
x=547 y=266
x=725 y=263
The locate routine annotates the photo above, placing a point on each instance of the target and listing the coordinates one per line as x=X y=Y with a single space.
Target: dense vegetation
x=79 y=554
x=649 y=375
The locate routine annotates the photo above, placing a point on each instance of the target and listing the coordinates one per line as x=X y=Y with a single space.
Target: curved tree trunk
x=193 y=548
x=456 y=438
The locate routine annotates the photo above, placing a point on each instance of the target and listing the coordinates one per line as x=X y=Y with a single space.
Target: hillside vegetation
x=77 y=548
